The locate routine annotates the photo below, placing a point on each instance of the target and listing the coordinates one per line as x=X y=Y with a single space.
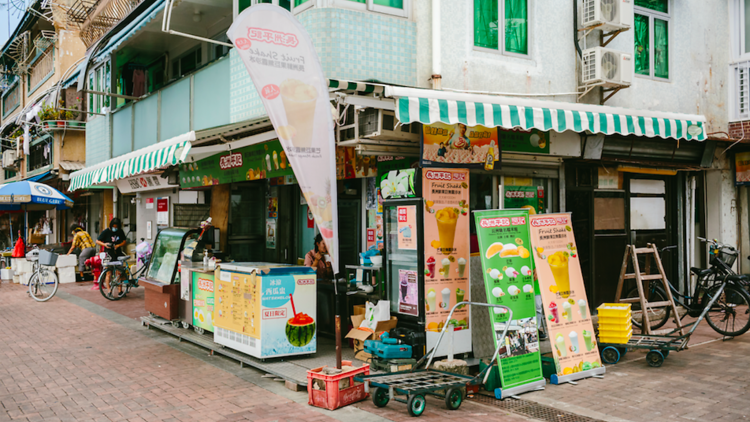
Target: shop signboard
x=387 y=163
x=398 y=184
x=144 y=183
x=162 y=211
x=254 y=162
x=351 y=165
x=742 y=163
x=407 y=230
x=446 y=245
x=531 y=141
x=203 y=300
x=566 y=306
x=458 y=145
x=507 y=265
x=529 y=197
x=280 y=57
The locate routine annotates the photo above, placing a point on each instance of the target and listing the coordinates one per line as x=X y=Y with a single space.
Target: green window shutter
x=242 y=5
x=658 y=5
x=107 y=83
x=661 y=49
x=516 y=26
x=485 y=23
x=286 y=4
x=397 y=4
x=642 y=54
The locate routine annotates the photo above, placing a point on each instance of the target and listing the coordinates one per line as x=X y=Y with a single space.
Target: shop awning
x=361 y=87
x=429 y=106
x=170 y=152
x=39 y=177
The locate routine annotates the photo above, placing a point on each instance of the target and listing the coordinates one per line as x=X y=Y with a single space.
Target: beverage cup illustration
x=300 y=100
x=268 y=162
x=275 y=160
x=558 y=264
x=582 y=308
x=461 y=267
x=432 y=300
x=404 y=288
x=431 y=266
x=446 y=222
x=588 y=340
x=553 y=311
x=446 y=297
x=460 y=296
x=567 y=311
x=574 y=342
x=446 y=263
x=560 y=344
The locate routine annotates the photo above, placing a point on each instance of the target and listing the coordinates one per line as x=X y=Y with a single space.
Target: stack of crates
x=615 y=323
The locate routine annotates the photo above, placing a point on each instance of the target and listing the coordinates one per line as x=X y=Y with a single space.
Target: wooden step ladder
x=631 y=252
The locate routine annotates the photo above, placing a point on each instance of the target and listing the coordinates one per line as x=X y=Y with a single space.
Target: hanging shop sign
x=162 y=211
x=144 y=183
x=446 y=245
x=260 y=161
x=566 y=306
x=458 y=145
x=529 y=197
x=742 y=164
x=508 y=268
x=350 y=165
x=531 y=141
x=281 y=60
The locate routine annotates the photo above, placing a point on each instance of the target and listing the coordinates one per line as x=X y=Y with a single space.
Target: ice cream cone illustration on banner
x=558 y=264
x=446 y=223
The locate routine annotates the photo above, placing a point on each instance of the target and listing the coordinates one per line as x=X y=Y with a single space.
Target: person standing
x=81 y=241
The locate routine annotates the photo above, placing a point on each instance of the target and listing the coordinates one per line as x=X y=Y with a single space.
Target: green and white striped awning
x=163 y=154
x=360 y=87
x=430 y=106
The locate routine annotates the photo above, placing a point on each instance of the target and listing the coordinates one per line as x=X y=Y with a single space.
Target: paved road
x=72 y=359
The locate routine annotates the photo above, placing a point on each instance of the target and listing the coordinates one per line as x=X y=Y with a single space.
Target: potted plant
x=46 y=114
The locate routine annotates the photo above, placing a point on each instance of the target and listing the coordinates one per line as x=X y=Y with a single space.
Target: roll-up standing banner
x=281 y=60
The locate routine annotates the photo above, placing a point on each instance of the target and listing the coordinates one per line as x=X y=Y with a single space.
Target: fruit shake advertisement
x=446 y=248
x=279 y=56
x=203 y=300
x=566 y=306
x=507 y=265
x=458 y=145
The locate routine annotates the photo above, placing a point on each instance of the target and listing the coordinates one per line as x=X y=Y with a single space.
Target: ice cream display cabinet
x=265 y=310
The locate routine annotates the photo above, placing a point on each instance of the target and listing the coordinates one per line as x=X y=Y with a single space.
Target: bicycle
x=728 y=316
x=121 y=279
x=43 y=283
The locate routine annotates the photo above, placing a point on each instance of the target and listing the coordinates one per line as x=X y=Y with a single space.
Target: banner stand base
x=569 y=379
x=504 y=393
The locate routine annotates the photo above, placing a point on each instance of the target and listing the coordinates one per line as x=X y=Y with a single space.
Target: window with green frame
x=651 y=34
x=514 y=26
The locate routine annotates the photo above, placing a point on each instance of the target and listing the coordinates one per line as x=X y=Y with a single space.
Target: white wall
x=721 y=201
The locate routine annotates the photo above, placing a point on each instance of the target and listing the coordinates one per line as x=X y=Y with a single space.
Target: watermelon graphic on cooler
x=300 y=330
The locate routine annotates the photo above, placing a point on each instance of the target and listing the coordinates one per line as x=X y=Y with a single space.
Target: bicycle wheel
x=658 y=316
x=730 y=314
x=43 y=285
x=115 y=289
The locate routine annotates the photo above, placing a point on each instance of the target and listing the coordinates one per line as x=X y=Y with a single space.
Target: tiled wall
x=352 y=45
x=98 y=145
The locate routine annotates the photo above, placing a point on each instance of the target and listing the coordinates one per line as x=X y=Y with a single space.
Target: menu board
x=446 y=246
x=563 y=293
x=236 y=303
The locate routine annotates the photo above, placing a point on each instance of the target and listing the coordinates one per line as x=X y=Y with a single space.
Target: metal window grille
x=742 y=76
x=589 y=66
x=190 y=215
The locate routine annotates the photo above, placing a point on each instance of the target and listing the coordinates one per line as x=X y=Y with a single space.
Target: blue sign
x=276 y=290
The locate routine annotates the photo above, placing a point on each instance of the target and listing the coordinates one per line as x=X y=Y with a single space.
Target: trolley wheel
x=185 y=325
x=655 y=358
x=610 y=355
x=199 y=330
x=416 y=405
x=623 y=351
x=380 y=397
x=176 y=324
x=454 y=398
x=665 y=353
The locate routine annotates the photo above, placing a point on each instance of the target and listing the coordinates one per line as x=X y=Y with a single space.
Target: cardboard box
x=359 y=336
x=358 y=310
x=65 y=261
x=66 y=275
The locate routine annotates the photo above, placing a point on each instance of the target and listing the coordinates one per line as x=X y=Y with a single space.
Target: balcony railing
x=11 y=99
x=95 y=18
x=41 y=69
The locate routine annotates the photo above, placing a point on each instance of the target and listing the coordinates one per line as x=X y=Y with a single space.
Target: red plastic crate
x=335 y=391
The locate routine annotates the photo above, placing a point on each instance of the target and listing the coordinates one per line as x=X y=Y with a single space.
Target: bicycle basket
x=726 y=254
x=47 y=258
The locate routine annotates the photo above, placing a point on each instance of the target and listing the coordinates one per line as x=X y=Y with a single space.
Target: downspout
x=436 y=77
x=575 y=28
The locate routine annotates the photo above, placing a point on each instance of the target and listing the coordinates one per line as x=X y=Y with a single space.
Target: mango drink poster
x=446 y=245
x=507 y=265
x=566 y=306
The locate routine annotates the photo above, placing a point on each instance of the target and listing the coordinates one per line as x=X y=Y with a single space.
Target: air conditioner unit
x=608 y=14
x=606 y=67
x=9 y=160
x=373 y=124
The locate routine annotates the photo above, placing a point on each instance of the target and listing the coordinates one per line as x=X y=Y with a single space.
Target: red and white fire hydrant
x=95 y=263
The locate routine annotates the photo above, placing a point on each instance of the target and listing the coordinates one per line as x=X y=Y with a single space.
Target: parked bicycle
x=123 y=277
x=43 y=283
x=729 y=315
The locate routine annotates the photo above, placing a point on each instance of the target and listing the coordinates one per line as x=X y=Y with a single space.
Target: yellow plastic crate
x=616 y=339
x=617 y=324
x=614 y=310
x=613 y=331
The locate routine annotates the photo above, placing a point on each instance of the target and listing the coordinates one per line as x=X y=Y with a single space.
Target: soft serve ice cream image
x=300 y=100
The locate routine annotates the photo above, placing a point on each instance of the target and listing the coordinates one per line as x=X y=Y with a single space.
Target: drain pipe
x=436 y=77
x=575 y=28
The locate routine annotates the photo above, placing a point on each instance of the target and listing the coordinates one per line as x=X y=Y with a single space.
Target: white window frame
x=737 y=30
x=100 y=80
x=501 y=30
x=370 y=6
x=651 y=14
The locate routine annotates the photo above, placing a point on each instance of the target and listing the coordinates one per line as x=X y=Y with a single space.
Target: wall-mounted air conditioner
x=603 y=66
x=9 y=160
x=374 y=124
x=609 y=15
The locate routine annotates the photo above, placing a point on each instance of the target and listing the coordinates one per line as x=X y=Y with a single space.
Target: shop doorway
x=246 y=237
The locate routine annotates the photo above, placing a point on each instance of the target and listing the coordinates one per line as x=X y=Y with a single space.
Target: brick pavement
x=69 y=359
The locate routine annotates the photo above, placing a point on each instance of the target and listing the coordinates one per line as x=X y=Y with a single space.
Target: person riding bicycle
x=82 y=242
x=113 y=240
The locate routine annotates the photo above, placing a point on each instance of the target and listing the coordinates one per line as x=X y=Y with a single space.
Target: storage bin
x=47 y=258
x=66 y=275
x=617 y=339
x=614 y=310
x=64 y=261
x=6 y=274
x=615 y=324
x=334 y=391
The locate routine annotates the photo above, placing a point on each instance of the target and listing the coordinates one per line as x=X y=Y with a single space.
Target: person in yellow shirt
x=83 y=242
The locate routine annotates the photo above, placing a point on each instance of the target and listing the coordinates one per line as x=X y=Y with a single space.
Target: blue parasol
x=31 y=196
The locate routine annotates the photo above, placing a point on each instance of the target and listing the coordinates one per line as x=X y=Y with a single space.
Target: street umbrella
x=26 y=195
